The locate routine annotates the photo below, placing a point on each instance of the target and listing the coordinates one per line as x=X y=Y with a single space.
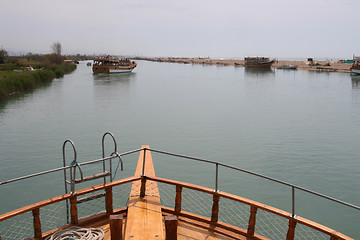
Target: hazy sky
x=191 y=28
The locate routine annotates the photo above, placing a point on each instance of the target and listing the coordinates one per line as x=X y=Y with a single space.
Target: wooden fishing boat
x=263 y=62
x=113 y=65
x=145 y=206
x=355 y=68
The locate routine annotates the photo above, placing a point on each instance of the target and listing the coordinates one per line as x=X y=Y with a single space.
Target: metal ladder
x=72 y=180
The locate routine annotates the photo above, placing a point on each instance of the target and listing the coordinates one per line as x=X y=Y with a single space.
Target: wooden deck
x=145 y=220
x=144 y=217
x=186 y=230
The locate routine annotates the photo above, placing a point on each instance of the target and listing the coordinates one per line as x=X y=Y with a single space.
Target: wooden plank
x=144 y=217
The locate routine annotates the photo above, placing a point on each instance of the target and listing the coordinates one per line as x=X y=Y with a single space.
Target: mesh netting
x=234 y=213
x=196 y=202
x=53 y=216
x=271 y=225
x=18 y=227
x=121 y=195
x=91 y=207
x=303 y=232
x=167 y=194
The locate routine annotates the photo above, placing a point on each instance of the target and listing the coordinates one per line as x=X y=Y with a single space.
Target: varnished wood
x=291 y=230
x=178 y=199
x=116 y=225
x=171 y=224
x=215 y=209
x=65 y=197
x=151 y=202
x=258 y=205
x=109 y=200
x=144 y=217
x=252 y=221
x=206 y=223
x=73 y=211
x=143 y=187
x=37 y=223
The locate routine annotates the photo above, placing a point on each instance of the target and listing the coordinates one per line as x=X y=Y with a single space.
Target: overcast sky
x=189 y=28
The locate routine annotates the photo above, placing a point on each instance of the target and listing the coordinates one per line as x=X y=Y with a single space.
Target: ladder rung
x=91 y=197
x=92 y=177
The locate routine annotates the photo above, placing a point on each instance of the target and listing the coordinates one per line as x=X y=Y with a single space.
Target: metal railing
x=115 y=154
x=217 y=164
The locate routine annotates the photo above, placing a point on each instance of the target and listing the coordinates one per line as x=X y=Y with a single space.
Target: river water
x=297 y=126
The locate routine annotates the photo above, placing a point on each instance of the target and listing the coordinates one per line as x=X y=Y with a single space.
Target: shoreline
x=320 y=66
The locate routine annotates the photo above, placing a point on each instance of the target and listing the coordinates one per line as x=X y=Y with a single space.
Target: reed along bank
x=12 y=82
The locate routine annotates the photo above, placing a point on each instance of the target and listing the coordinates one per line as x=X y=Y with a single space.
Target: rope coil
x=75 y=232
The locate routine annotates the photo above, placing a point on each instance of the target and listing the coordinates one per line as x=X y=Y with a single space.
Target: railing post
x=37 y=223
x=116 y=227
x=143 y=169
x=216 y=177
x=73 y=211
x=293 y=202
x=291 y=230
x=171 y=224
x=215 y=208
x=143 y=178
x=252 y=221
x=109 y=200
x=178 y=200
x=143 y=186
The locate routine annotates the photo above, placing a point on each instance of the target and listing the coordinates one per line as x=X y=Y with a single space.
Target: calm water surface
x=298 y=126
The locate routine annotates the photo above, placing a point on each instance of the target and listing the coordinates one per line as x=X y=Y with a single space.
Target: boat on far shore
x=258 y=62
x=355 y=68
x=113 y=65
x=288 y=66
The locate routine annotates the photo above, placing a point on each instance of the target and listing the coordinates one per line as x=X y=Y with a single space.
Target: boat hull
x=113 y=69
x=355 y=69
x=260 y=64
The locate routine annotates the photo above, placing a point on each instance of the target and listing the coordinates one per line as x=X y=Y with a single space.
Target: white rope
x=77 y=233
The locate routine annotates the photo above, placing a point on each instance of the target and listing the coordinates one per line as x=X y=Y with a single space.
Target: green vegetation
x=15 y=76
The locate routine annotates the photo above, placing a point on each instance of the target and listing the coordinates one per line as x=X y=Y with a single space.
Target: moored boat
x=355 y=68
x=288 y=66
x=258 y=62
x=113 y=65
x=145 y=206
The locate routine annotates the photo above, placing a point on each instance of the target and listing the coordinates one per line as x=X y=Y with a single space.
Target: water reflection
x=258 y=72
x=355 y=80
x=112 y=79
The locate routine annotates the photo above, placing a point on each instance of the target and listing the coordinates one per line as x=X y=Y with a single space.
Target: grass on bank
x=13 y=82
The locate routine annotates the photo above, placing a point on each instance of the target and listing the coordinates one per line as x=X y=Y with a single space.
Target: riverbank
x=12 y=82
x=321 y=66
